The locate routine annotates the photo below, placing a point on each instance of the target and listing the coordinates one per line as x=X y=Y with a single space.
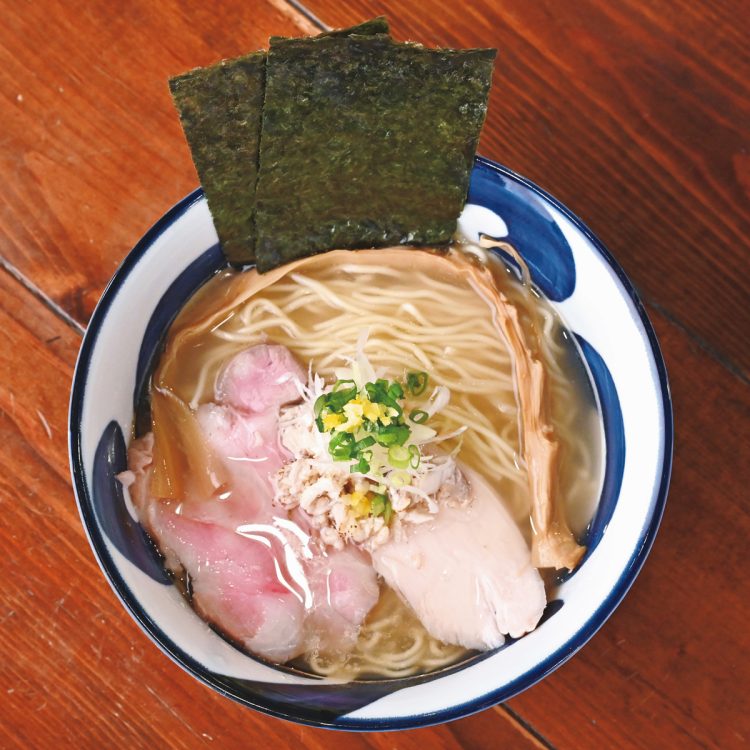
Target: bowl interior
x=599 y=305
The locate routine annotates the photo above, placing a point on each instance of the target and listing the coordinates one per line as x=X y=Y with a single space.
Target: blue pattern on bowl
x=324 y=704
x=614 y=440
x=108 y=502
x=531 y=229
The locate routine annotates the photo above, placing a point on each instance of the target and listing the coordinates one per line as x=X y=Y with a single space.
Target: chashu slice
x=468 y=574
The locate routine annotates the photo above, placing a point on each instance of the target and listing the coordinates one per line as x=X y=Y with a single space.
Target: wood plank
x=76 y=670
x=634 y=114
x=664 y=671
x=91 y=150
x=670 y=669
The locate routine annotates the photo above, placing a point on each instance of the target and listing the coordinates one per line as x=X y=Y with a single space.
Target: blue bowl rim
x=491 y=698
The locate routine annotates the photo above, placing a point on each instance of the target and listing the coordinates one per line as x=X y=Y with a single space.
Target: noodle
x=416 y=320
x=381 y=651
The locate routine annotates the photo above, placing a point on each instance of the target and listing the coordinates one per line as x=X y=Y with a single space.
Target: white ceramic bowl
x=575 y=271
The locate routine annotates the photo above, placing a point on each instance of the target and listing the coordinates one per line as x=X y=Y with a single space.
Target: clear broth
x=297 y=312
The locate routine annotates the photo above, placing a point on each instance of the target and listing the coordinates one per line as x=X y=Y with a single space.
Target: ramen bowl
x=601 y=308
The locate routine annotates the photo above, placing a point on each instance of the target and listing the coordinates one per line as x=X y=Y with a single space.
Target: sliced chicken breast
x=467 y=574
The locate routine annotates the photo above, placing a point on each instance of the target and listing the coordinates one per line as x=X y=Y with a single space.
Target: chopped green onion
x=335 y=401
x=338 y=399
x=339 y=384
x=375 y=391
x=393 y=434
x=402 y=434
x=398 y=457
x=414 y=457
x=388 y=512
x=341 y=445
x=378 y=504
x=416 y=382
x=381 y=392
x=320 y=402
x=366 y=442
x=395 y=405
x=362 y=466
x=395 y=390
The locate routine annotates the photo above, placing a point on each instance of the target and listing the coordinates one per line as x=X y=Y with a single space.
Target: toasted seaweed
x=365 y=142
x=220 y=109
x=377 y=25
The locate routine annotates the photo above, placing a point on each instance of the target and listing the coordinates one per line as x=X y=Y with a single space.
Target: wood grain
x=91 y=150
x=670 y=668
x=76 y=670
x=634 y=114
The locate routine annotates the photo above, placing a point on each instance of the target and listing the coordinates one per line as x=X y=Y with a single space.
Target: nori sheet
x=365 y=142
x=377 y=25
x=220 y=109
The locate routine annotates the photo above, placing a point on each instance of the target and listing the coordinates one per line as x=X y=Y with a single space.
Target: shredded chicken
x=324 y=488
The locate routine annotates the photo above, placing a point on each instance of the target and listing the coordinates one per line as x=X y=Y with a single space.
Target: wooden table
x=634 y=113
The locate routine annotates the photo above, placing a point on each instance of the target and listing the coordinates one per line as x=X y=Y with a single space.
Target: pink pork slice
x=254 y=573
x=236 y=584
x=344 y=590
x=259 y=378
x=247 y=440
x=248 y=444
